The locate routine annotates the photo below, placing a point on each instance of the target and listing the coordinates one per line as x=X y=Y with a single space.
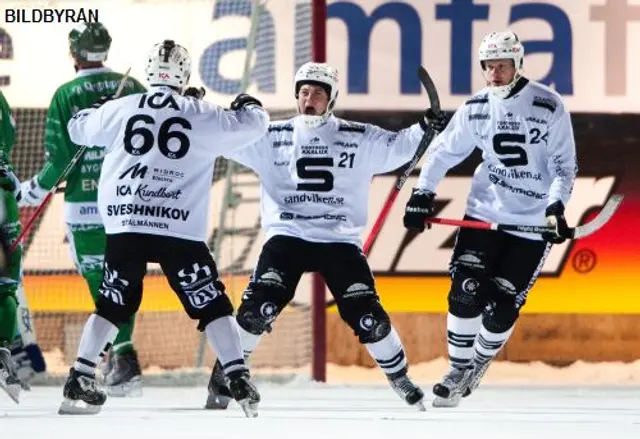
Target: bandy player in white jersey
x=315 y=172
x=161 y=147
x=526 y=177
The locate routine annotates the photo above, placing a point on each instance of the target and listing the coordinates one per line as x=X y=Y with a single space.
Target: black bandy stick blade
x=430 y=88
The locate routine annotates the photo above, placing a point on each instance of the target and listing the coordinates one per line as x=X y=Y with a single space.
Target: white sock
x=388 y=353
x=489 y=344
x=224 y=339
x=249 y=341
x=461 y=335
x=97 y=332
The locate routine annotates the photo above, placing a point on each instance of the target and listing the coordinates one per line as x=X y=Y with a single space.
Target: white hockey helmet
x=323 y=75
x=502 y=45
x=168 y=64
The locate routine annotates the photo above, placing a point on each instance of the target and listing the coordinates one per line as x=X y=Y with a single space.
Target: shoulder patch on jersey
x=480 y=99
x=546 y=103
x=351 y=128
x=536 y=120
x=280 y=127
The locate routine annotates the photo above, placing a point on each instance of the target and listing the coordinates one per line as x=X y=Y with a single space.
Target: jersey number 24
x=508 y=144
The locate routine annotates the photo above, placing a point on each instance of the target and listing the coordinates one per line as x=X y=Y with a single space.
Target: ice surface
x=309 y=411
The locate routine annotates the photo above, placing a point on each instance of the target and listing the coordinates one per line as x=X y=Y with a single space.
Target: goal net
x=166 y=340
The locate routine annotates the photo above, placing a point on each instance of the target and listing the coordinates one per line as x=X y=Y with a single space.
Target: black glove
x=193 y=92
x=555 y=218
x=418 y=209
x=242 y=100
x=434 y=120
x=8 y=179
x=100 y=102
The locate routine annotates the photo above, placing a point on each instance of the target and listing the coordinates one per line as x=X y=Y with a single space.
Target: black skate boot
x=125 y=377
x=453 y=385
x=219 y=394
x=81 y=395
x=404 y=387
x=244 y=392
x=9 y=381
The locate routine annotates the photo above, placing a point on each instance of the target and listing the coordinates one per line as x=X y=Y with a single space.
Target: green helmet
x=90 y=42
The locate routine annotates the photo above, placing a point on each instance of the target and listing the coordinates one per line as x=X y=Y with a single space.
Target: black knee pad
x=469 y=292
x=504 y=307
x=500 y=317
x=108 y=308
x=365 y=315
x=261 y=303
x=116 y=314
x=221 y=306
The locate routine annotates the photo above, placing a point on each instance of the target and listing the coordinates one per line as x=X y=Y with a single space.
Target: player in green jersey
x=10 y=263
x=89 y=44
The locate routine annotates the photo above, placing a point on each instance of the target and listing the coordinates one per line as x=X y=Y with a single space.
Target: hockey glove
x=555 y=219
x=100 y=102
x=8 y=180
x=243 y=100
x=31 y=193
x=418 y=209
x=194 y=92
x=436 y=121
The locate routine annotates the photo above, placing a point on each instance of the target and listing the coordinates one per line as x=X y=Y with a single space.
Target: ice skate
x=125 y=376
x=9 y=381
x=477 y=373
x=407 y=390
x=28 y=361
x=105 y=366
x=454 y=384
x=244 y=392
x=219 y=394
x=81 y=395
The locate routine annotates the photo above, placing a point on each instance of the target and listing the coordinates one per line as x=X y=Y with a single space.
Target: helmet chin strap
x=314 y=121
x=503 y=91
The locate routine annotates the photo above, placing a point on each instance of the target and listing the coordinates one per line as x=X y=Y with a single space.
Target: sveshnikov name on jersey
x=143 y=210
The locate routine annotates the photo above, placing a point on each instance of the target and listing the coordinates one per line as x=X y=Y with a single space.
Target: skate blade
x=217 y=402
x=13 y=390
x=77 y=407
x=420 y=406
x=132 y=388
x=249 y=408
x=440 y=402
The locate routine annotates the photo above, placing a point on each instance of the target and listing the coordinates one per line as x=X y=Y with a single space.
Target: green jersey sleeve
x=7 y=126
x=59 y=149
x=70 y=98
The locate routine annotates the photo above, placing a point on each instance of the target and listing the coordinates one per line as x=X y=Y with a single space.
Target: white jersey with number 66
x=160 y=153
